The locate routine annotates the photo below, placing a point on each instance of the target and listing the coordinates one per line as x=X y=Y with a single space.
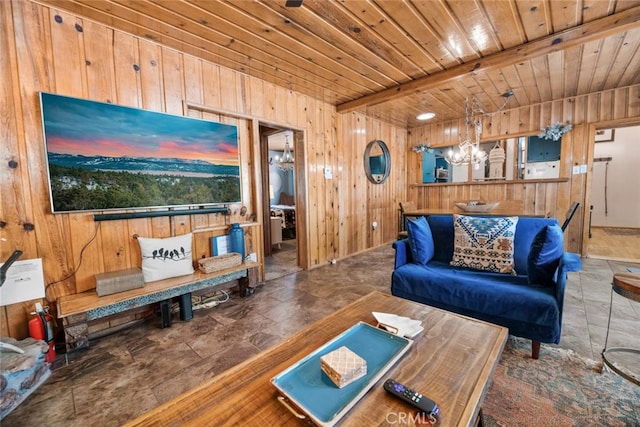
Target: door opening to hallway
x=614 y=211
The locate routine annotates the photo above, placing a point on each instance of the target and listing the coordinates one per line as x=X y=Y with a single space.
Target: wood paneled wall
x=44 y=49
x=608 y=108
x=360 y=201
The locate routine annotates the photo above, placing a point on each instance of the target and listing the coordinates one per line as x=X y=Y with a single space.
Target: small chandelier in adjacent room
x=468 y=151
x=286 y=162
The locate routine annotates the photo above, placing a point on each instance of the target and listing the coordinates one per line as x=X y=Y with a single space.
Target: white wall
x=622 y=180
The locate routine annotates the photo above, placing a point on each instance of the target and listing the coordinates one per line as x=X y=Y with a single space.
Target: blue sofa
x=529 y=310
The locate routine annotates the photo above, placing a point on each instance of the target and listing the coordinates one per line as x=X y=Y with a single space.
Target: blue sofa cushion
x=484 y=243
x=527 y=310
x=420 y=240
x=544 y=256
x=442 y=232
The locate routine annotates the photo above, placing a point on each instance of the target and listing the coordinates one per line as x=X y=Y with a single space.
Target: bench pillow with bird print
x=165 y=258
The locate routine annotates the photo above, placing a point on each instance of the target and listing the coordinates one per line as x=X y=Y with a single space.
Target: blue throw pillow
x=544 y=255
x=420 y=240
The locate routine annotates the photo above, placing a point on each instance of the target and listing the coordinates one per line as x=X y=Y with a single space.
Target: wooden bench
x=76 y=311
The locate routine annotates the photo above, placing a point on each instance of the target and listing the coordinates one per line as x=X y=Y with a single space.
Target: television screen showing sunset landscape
x=103 y=156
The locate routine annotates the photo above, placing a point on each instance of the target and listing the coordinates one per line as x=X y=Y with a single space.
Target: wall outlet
x=253 y=257
x=327 y=173
x=576 y=169
x=583 y=168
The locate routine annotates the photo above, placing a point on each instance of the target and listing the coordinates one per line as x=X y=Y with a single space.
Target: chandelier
x=286 y=162
x=468 y=151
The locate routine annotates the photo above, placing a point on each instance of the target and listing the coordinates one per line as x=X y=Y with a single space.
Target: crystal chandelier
x=468 y=151
x=286 y=162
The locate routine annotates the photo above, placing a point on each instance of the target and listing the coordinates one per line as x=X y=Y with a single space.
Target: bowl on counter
x=477 y=206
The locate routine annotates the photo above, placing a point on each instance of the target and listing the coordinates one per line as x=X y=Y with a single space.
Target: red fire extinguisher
x=41 y=328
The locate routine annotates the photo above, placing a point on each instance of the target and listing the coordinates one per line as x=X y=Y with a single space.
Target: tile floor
x=123 y=375
x=283 y=260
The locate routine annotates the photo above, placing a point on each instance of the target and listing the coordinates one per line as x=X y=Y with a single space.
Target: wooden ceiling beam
x=594 y=30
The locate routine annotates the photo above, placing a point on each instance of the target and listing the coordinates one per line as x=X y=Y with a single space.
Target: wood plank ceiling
x=394 y=59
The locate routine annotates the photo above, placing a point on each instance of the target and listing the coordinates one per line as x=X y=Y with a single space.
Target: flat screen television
x=103 y=156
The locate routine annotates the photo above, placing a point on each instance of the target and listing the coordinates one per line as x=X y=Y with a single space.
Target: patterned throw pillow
x=484 y=243
x=165 y=258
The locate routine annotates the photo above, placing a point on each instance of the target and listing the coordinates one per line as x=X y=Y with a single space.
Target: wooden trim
x=594 y=30
x=230 y=113
x=224 y=227
x=519 y=181
x=257 y=195
x=264 y=188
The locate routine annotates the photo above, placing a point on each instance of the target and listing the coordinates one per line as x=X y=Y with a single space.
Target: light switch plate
x=327 y=173
x=583 y=168
x=576 y=170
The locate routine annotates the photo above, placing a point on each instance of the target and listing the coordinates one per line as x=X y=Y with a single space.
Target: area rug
x=559 y=389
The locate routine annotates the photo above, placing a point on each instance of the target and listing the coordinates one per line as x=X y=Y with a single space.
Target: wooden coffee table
x=452 y=362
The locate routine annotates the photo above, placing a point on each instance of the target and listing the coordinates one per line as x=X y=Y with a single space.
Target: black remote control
x=412 y=397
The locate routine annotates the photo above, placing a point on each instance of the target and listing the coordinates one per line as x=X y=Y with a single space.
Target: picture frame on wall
x=605 y=135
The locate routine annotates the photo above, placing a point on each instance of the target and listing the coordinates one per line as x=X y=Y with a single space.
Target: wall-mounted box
x=542 y=170
x=542 y=150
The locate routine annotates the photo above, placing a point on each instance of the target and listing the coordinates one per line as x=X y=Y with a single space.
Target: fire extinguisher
x=41 y=328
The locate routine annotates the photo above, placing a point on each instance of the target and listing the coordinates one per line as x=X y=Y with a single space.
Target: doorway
x=614 y=210
x=280 y=192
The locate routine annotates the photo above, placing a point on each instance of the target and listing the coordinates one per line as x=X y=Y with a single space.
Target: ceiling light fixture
x=469 y=150
x=286 y=163
x=426 y=116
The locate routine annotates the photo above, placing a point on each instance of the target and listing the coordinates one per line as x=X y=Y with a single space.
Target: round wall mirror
x=377 y=161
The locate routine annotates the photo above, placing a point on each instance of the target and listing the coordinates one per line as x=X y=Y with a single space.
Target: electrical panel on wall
x=542 y=170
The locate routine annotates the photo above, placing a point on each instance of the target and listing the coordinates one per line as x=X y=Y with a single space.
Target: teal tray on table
x=312 y=391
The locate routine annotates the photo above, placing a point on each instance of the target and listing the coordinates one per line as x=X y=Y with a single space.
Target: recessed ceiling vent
x=293 y=3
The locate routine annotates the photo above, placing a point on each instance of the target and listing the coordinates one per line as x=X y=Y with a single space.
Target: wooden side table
x=628 y=286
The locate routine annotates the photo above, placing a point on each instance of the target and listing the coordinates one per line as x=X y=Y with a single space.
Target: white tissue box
x=343 y=366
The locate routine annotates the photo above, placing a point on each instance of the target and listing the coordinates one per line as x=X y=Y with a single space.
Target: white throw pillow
x=164 y=258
